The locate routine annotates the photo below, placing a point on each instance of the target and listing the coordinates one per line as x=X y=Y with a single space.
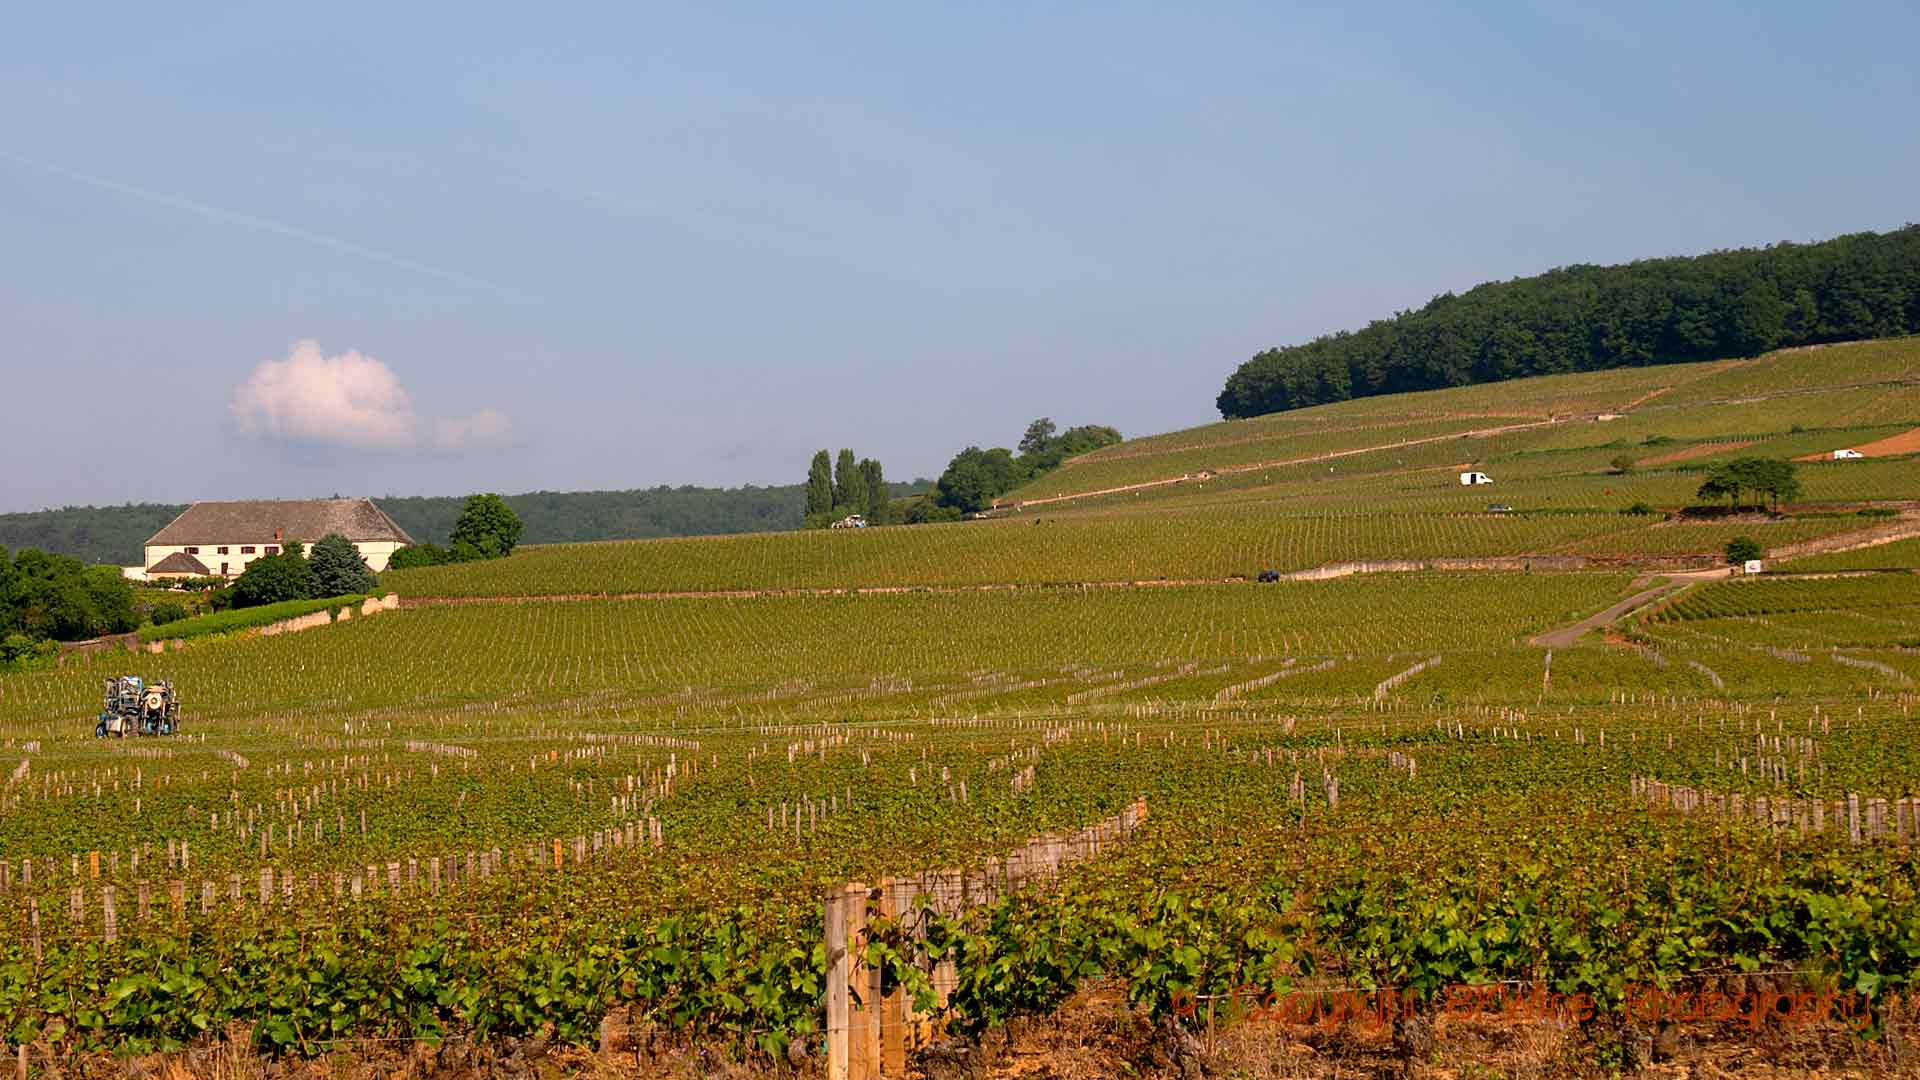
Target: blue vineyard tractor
x=133 y=706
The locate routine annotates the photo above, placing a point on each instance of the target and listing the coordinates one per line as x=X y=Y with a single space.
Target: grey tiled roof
x=180 y=563
x=258 y=521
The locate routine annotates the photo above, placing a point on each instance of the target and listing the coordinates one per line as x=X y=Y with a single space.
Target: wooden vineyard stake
x=863 y=1055
x=839 y=974
x=870 y=1032
x=899 y=1030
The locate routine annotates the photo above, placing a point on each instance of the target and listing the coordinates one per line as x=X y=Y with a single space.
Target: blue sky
x=412 y=249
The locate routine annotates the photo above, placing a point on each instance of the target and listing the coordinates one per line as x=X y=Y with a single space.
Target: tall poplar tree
x=875 y=489
x=820 y=485
x=848 y=492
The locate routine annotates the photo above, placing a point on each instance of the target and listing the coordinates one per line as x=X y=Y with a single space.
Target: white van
x=1846 y=455
x=1469 y=479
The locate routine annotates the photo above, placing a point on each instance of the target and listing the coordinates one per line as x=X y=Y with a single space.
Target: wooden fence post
x=898 y=1033
x=863 y=1053
x=839 y=971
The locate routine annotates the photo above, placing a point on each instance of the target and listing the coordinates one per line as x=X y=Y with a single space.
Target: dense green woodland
x=52 y=596
x=1585 y=318
x=114 y=534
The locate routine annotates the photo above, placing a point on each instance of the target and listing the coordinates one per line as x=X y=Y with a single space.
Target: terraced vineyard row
x=1232 y=542
x=1899 y=555
x=784 y=745
x=1764 y=597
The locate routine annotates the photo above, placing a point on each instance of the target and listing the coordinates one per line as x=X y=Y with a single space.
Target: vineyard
x=469 y=823
x=1899 y=555
x=1224 y=542
x=1064 y=791
x=1548 y=442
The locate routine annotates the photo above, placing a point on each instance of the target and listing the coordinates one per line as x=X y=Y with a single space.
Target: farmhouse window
x=223 y=569
x=223 y=551
x=247 y=550
x=271 y=550
x=193 y=551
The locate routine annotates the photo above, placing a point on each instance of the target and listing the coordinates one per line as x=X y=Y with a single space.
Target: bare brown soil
x=1643 y=399
x=1096 y=1035
x=1907 y=442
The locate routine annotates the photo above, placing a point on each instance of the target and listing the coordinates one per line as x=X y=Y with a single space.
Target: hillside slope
x=1550 y=440
x=1374 y=481
x=1589 y=318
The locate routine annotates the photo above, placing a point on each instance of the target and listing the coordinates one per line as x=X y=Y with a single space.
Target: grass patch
x=222 y=622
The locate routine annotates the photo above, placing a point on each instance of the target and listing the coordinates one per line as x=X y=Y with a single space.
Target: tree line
x=976 y=477
x=1585 y=318
x=47 y=597
x=1771 y=479
x=116 y=534
x=973 y=479
x=839 y=488
x=486 y=529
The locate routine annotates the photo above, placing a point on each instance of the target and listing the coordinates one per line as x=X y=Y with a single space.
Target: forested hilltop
x=1585 y=318
x=114 y=534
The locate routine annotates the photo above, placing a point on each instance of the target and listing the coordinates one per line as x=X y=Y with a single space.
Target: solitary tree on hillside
x=488 y=529
x=1039 y=435
x=338 y=569
x=1777 y=478
x=848 y=492
x=1719 y=486
x=1773 y=478
x=1743 y=548
x=820 y=486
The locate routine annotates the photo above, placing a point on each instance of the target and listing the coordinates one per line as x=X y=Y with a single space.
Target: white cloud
x=348 y=399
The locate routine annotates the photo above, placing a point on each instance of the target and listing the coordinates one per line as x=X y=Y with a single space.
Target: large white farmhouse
x=218 y=539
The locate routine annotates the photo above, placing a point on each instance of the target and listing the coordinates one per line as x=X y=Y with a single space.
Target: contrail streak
x=266 y=225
